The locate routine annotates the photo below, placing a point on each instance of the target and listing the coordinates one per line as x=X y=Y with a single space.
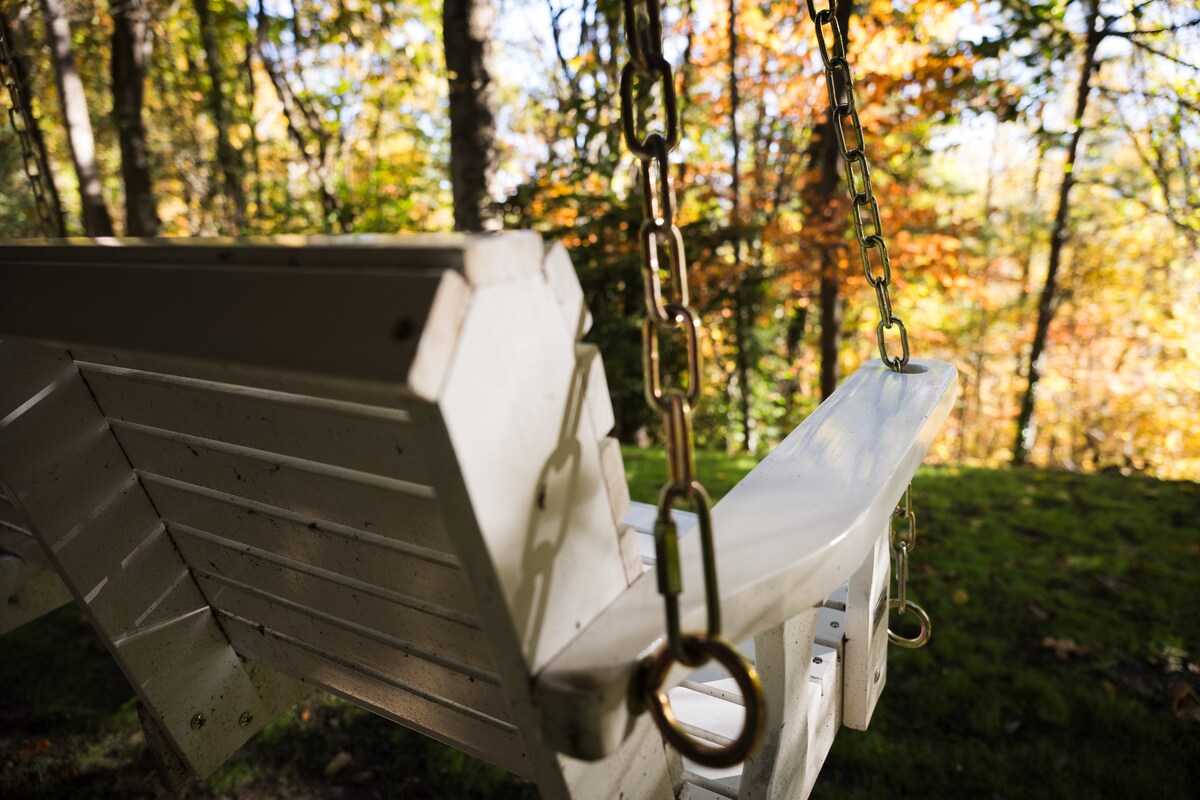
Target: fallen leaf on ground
x=40 y=746
x=1065 y=648
x=338 y=763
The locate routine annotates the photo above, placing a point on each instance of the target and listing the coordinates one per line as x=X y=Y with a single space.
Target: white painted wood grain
x=358 y=500
x=560 y=274
x=427 y=575
x=27 y=370
x=789 y=534
x=473 y=692
x=496 y=744
x=27 y=591
x=405 y=619
x=354 y=436
x=864 y=663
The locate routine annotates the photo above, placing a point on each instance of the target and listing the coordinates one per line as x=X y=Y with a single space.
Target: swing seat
x=380 y=466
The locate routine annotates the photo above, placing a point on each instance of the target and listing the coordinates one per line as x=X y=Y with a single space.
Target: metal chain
x=904 y=542
x=668 y=312
x=36 y=169
x=839 y=82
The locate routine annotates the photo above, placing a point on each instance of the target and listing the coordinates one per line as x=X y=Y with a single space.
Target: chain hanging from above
x=903 y=543
x=672 y=313
x=37 y=169
x=839 y=82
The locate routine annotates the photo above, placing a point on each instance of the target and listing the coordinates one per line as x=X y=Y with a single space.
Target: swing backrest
x=381 y=462
x=380 y=465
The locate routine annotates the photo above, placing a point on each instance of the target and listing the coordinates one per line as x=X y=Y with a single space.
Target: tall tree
x=229 y=160
x=465 y=26
x=130 y=51
x=80 y=138
x=821 y=207
x=741 y=312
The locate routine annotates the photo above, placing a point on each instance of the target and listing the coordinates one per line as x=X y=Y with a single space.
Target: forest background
x=1034 y=164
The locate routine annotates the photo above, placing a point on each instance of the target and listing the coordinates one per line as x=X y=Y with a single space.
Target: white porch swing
x=380 y=466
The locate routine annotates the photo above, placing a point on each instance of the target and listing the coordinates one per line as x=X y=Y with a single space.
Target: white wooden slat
x=864 y=662
x=713 y=721
x=357 y=500
x=799 y=696
x=545 y=534
x=11 y=519
x=838 y=598
x=539 y=544
x=631 y=555
x=353 y=436
x=560 y=274
x=60 y=461
x=27 y=591
x=381 y=395
x=421 y=573
x=613 y=470
x=24 y=546
x=786 y=537
x=824 y=714
x=599 y=403
x=330 y=321
x=26 y=371
x=448 y=634
x=702 y=788
x=476 y=692
x=346 y=309
x=500 y=746
x=189 y=668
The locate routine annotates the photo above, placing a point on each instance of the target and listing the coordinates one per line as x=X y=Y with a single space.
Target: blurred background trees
x=1034 y=164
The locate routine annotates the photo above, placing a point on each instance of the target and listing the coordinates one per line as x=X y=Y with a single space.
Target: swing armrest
x=786 y=537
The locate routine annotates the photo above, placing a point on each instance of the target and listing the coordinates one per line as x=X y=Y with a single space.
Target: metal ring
x=922 y=638
x=659 y=704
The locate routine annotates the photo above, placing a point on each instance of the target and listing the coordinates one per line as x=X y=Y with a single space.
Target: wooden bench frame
x=137 y=378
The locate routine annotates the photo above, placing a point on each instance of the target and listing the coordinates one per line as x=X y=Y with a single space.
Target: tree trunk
x=1047 y=303
x=465 y=26
x=824 y=155
x=741 y=312
x=228 y=158
x=131 y=50
x=80 y=139
x=20 y=75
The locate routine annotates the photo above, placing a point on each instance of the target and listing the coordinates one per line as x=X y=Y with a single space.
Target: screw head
x=835 y=625
x=817 y=660
x=245 y=719
x=878 y=675
x=198 y=721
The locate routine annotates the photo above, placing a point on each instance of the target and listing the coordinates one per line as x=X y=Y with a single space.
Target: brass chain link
x=904 y=542
x=36 y=169
x=668 y=311
x=839 y=82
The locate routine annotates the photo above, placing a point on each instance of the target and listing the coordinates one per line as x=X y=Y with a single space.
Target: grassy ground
x=1064 y=664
